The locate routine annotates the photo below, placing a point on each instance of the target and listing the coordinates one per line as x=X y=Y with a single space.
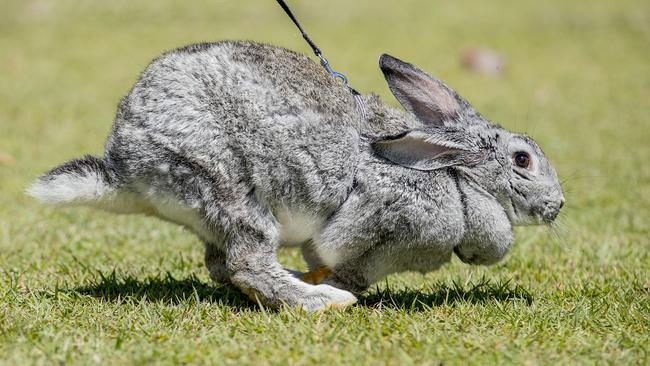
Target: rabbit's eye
x=522 y=160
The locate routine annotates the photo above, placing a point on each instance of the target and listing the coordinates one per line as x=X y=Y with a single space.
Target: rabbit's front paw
x=322 y=297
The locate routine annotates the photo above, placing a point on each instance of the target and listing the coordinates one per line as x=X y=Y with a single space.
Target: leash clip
x=335 y=74
x=361 y=106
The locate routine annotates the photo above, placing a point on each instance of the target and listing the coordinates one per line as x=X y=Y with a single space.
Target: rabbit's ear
x=428 y=151
x=427 y=98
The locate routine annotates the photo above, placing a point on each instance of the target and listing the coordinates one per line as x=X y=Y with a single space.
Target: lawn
x=79 y=286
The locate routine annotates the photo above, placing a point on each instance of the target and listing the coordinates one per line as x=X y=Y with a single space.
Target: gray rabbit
x=252 y=147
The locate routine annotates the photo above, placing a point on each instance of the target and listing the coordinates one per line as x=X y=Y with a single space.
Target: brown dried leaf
x=483 y=61
x=6 y=159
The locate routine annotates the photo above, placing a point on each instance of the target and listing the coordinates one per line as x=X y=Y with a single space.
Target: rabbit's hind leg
x=250 y=257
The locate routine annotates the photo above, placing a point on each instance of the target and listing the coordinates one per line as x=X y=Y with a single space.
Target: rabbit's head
x=507 y=166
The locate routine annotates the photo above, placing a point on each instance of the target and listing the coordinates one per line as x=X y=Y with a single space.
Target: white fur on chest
x=296 y=226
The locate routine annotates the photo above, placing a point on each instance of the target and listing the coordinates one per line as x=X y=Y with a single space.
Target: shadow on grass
x=443 y=294
x=167 y=289
x=164 y=288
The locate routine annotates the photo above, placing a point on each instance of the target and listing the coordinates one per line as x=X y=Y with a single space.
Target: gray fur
x=252 y=147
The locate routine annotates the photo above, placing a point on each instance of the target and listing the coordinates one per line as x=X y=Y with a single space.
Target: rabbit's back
x=220 y=84
x=218 y=121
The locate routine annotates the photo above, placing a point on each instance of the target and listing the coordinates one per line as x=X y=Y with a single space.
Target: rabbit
x=252 y=147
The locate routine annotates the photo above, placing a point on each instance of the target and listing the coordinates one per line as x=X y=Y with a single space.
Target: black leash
x=361 y=106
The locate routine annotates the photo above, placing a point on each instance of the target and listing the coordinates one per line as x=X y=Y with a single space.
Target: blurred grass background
x=80 y=286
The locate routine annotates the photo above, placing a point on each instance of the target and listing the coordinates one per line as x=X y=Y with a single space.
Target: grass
x=81 y=287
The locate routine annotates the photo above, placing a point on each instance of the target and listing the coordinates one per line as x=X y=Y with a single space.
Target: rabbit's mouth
x=526 y=217
x=521 y=216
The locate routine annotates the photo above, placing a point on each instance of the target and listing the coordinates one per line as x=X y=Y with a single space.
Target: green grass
x=80 y=287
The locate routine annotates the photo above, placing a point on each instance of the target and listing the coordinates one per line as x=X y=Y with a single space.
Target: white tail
x=78 y=182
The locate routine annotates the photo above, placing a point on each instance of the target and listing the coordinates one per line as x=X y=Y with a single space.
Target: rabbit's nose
x=561 y=202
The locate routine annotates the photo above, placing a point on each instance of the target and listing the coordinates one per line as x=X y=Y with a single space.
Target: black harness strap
x=361 y=106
